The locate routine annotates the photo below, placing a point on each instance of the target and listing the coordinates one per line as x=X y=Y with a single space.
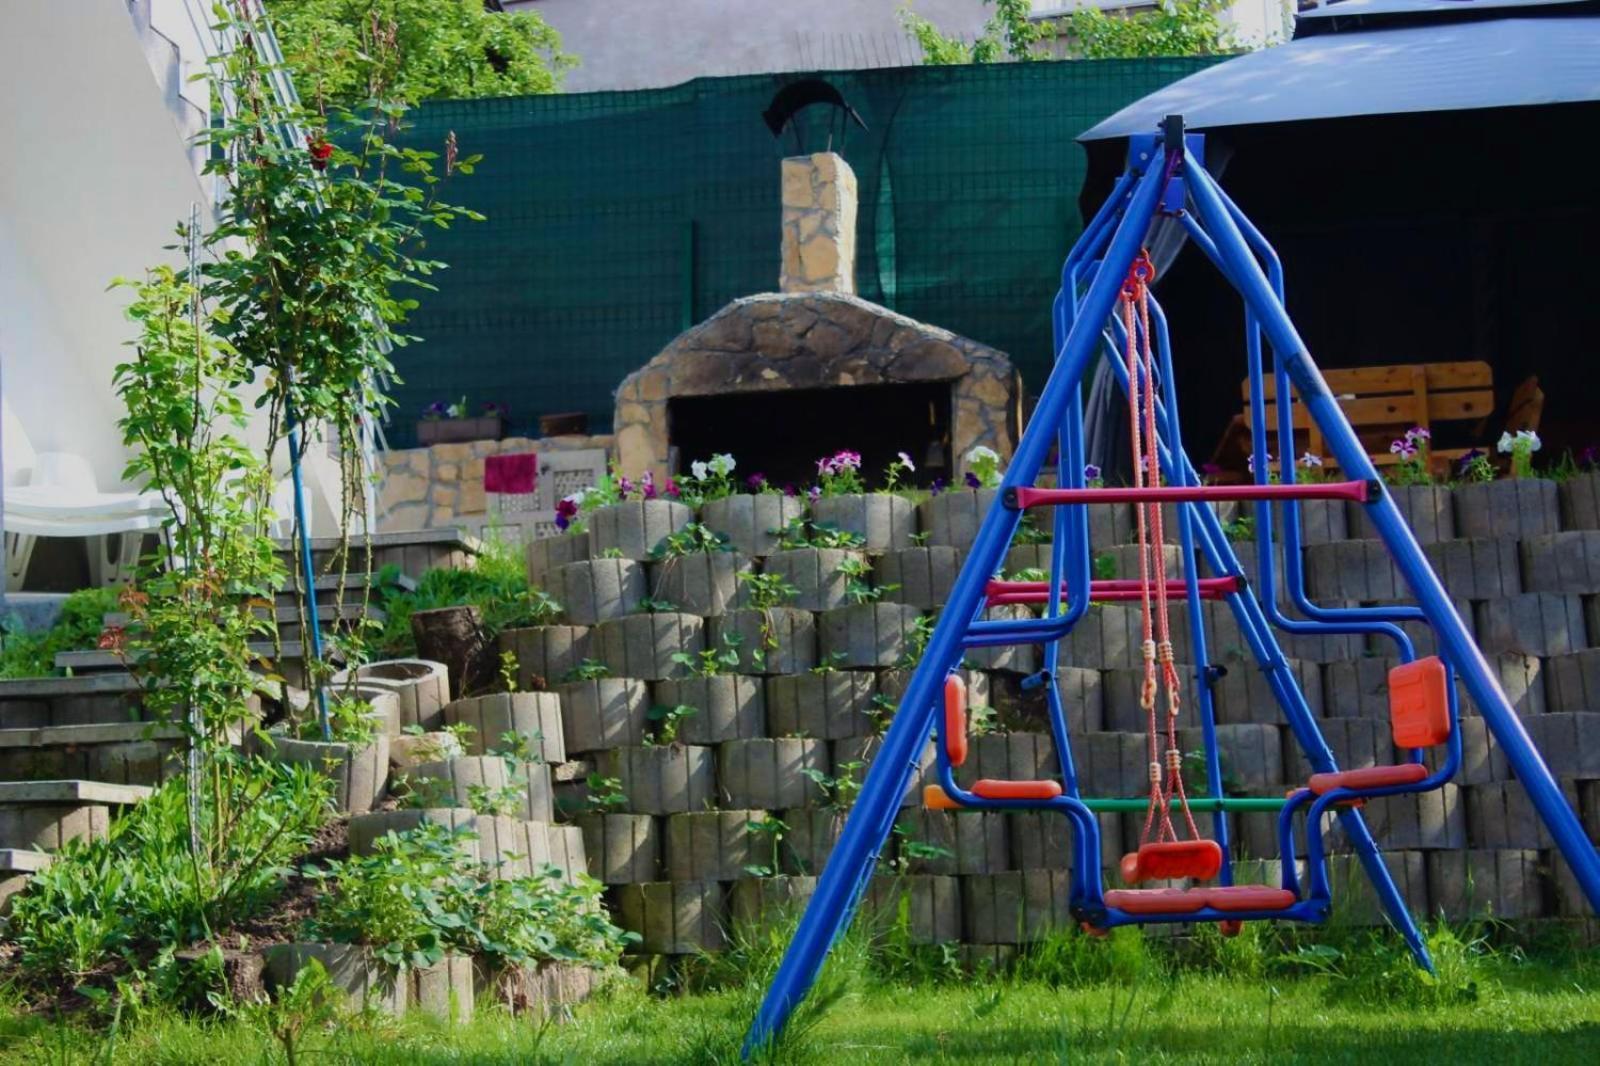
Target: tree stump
x=455 y=636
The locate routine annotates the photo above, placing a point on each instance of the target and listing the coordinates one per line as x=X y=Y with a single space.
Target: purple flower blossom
x=1469 y=458
x=672 y=488
x=1091 y=472
x=1416 y=433
x=937 y=487
x=624 y=486
x=1589 y=456
x=1403 y=448
x=436 y=409
x=814 y=493
x=647 y=485
x=846 y=460
x=790 y=490
x=824 y=467
x=972 y=481
x=566 y=511
x=756 y=482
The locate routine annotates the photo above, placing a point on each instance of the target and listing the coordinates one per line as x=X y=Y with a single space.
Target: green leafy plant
x=587 y=670
x=710 y=479
x=900 y=466
x=604 y=794
x=983 y=466
x=917 y=640
x=982 y=719
x=765 y=591
x=831 y=662
x=920 y=538
x=839 y=793
x=350 y=721
x=1009 y=33
x=692 y=539
x=857 y=573
x=1241 y=527
x=497 y=585
x=768 y=834
x=308 y=1004
x=667 y=721
x=802 y=532
x=652 y=605
x=880 y=711
x=1520 y=446
x=1414 y=458
x=1476 y=468
x=840 y=474
x=710 y=662
x=1176 y=28
x=1104 y=567
x=78 y=628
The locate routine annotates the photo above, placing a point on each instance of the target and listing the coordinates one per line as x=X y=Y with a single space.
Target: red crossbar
x=1112 y=590
x=1327 y=490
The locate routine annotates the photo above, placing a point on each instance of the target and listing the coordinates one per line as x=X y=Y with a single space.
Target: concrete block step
x=44 y=815
x=16 y=866
x=132 y=753
x=53 y=701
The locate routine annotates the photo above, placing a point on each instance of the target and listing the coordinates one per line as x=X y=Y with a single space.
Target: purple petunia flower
x=624 y=486
x=647 y=485
x=1091 y=472
x=1474 y=454
x=566 y=511
x=756 y=482
x=972 y=481
x=790 y=490
x=814 y=493
x=937 y=487
x=672 y=488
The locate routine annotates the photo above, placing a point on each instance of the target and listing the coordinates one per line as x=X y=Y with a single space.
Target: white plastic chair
x=62 y=499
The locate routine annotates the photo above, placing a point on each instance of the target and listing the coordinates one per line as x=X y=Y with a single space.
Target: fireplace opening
x=782 y=433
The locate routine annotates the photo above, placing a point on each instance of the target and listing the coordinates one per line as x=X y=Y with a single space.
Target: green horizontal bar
x=1196 y=803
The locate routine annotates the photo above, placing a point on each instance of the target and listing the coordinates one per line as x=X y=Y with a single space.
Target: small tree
x=1175 y=28
x=1009 y=32
x=443 y=48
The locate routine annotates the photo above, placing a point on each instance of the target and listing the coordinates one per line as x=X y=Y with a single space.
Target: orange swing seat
x=1171 y=860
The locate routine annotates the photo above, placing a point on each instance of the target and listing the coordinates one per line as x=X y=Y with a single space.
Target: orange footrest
x=935 y=798
x=1406 y=773
x=1232 y=898
x=1016 y=790
x=1197 y=859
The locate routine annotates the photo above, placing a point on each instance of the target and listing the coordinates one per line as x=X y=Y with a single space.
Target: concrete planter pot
x=634 y=528
x=751 y=523
x=704 y=584
x=1082 y=698
x=1580 y=501
x=608 y=712
x=673 y=917
x=813 y=833
x=727 y=707
x=367 y=983
x=1516 y=507
x=546 y=554
x=598 y=590
x=1534 y=623
x=815 y=572
x=921 y=577
x=867 y=635
x=772 y=640
x=367 y=829
x=764 y=902
x=951 y=519
x=546 y=654
x=1505 y=885
x=827 y=706
x=1482 y=568
x=769 y=775
x=446 y=990
x=535 y=716
x=886 y=521
x=930 y=906
x=971 y=843
x=667 y=779
x=1321 y=521
x=622 y=848
x=359 y=774
x=1562 y=562
x=457 y=781
x=642 y=645
x=1010 y=757
x=1015 y=908
x=1428 y=509
x=1014 y=658
x=544 y=992
x=714 y=845
x=1353 y=570
x=515 y=847
x=423 y=688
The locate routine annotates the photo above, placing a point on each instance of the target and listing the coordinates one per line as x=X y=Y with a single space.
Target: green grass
x=1074 y=1001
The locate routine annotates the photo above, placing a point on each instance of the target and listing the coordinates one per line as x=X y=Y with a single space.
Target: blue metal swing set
x=1105 y=270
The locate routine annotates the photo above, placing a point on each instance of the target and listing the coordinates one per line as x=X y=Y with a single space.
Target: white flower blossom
x=1534 y=443
x=723 y=464
x=981 y=453
x=699 y=469
x=1309 y=461
x=1504 y=446
x=905 y=461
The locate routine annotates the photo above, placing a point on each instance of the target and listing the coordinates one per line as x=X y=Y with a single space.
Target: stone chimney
x=819 y=225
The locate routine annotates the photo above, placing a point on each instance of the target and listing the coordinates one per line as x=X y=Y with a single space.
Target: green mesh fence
x=616 y=220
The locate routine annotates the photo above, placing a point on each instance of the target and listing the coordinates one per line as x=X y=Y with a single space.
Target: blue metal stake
x=308 y=572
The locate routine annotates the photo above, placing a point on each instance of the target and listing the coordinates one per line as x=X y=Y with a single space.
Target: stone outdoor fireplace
x=781 y=378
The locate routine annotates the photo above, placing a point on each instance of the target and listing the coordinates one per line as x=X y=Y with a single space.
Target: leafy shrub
x=497 y=586
x=143 y=888
x=419 y=895
x=78 y=629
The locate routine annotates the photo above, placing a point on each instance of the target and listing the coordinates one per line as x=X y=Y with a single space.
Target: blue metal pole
x=830 y=907
x=308 y=573
x=1454 y=639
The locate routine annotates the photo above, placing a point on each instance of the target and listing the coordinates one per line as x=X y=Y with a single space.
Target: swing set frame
x=1165 y=177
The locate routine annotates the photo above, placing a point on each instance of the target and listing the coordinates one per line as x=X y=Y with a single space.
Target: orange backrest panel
x=1419 y=703
x=955 y=719
x=935 y=798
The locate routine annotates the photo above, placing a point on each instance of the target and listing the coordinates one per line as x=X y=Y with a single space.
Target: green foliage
x=310 y=1003
x=802 y=532
x=1174 y=28
x=497 y=585
x=1104 y=567
x=838 y=793
x=692 y=539
x=1009 y=33
x=652 y=605
x=350 y=721
x=116 y=901
x=858 y=587
x=709 y=662
x=768 y=834
x=587 y=670
x=77 y=629
x=451 y=49
x=419 y=895
x=668 y=720
x=1241 y=527
x=765 y=591
x=604 y=794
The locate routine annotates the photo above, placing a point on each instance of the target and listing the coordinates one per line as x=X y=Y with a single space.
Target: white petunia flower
x=981 y=453
x=699 y=469
x=1309 y=461
x=905 y=461
x=723 y=464
x=1505 y=444
x=1530 y=436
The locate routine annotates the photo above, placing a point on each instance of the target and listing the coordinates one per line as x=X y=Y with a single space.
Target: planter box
x=673 y=917
x=1015 y=908
x=1040 y=842
x=1112 y=764
x=1482 y=568
x=1572 y=682
x=1082 y=698
x=634 y=528
x=852 y=758
x=446 y=990
x=663 y=780
x=769 y=902
x=432 y=431
x=1504 y=885
x=458 y=779
x=622 y=848
x=609 y=712
x=515 y=847
x=921 y=577
x=1243 y=694
x=727 y=707
x=545 y=554
x=1428 y=509
x=1251 y=754
x=367 y=829
x=544 y=992
x=1569 y=741
x=1321 y=521
x=423 y=688
x=534 y=715
x=751 y=523
x=546 y=654
x=358 y=774
x=1519 y=508
x=1580 y=501
x=769 y=774
x=1499 y=814
x=369 y=984
x=1014 y=658
x=1534 y=623
x=886 y=521
x=815 y=572
x=1353 y=570
x=715 y=845
x=784 y=637
x=704 y=584
x=827 y=706
x=951 y=519
x=924 y=908
x=866 y=635
x=1354 y=899
x=598 y=590
x=813 y=833
x=1562 y=562
x=642 y=645
x=974 y=842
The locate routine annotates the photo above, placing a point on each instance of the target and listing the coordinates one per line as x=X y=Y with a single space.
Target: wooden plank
x=1403 y=410
x=1370 y=380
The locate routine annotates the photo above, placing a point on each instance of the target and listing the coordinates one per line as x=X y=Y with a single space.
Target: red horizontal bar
x=1115 y=590
x=1328 y=490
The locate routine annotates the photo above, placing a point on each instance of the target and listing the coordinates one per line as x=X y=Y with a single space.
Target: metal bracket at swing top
x=1143 y=148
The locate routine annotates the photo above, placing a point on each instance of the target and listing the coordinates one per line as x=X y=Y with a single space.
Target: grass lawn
x=1489 y=1006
